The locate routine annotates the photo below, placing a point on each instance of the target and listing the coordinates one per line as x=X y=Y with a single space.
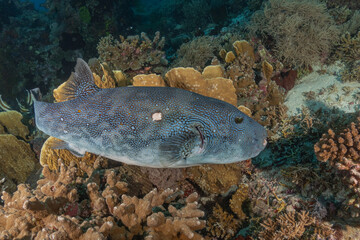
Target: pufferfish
x=148 y=126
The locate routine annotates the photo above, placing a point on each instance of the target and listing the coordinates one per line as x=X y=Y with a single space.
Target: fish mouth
x=202 y=139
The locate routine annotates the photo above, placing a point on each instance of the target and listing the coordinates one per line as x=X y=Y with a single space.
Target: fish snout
x=259 y=140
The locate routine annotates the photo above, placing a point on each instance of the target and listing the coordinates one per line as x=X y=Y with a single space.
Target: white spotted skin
x=119 y=123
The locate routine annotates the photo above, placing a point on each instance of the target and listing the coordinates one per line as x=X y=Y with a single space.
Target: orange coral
x=342 y=151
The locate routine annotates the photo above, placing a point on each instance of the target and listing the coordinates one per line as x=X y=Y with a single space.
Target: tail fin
x=35 y=94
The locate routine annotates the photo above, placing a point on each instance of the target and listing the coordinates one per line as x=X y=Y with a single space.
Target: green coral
x=84 y=15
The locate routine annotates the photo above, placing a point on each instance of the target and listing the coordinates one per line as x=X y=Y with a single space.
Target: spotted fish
x=148 y=126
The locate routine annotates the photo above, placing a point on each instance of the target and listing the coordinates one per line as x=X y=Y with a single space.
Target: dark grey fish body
x=151 y=126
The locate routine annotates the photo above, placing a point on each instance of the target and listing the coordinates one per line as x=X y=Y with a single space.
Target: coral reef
x=17 y=159
x=342 y=152
x=238 y=199
x=95 y=206
x=164 y=178
x=134 y=54
x=282 y=23
x=218 y=178
x=335 y=148
x=222 y=224
x=265 y=99
x=348 y=49
x=10 y=123
x=109 y=78
x=192 y=80
x=209 y=83
x=294 y=225
x=351 y=74
x=149 y=80
x=348 y=3
x=50 y=156
x=197 y=53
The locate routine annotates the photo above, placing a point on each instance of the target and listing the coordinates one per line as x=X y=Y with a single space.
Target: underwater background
x=292 y=65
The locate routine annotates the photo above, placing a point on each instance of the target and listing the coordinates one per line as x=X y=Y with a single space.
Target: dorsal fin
x=80 y=83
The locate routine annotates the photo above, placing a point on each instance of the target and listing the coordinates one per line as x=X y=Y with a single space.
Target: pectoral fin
x=178 y=147
x=55 y=143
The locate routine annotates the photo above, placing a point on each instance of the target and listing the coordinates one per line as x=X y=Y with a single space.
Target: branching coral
x=351 y=74
x=302 y=32
x=164 y=178
x=342 y=152
x=134 y=54
x=294 y=226
x=222 y=224
x=196 y=53
x=348 y=49
x=94 y=206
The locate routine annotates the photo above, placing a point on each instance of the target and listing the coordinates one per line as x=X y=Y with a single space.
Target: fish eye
x=239 y=120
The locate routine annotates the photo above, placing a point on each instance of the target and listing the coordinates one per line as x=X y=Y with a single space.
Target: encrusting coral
x=95 y=206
